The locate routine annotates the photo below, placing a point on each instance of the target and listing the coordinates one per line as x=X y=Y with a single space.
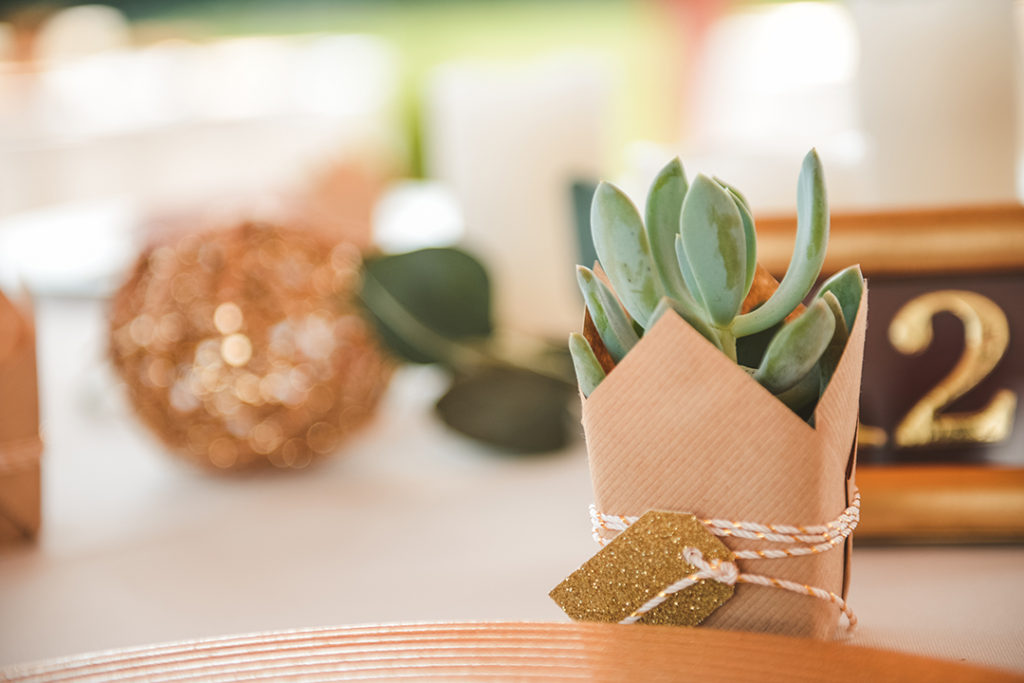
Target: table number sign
x=941 y=452
x=975 y=342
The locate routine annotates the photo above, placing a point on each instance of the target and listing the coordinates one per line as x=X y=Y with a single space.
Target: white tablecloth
x=409 y=523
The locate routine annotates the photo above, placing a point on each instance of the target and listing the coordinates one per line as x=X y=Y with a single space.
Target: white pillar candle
x=936 y=86
x=509 y=141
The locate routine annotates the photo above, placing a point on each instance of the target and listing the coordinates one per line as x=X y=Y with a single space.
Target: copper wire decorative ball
x=246 y=346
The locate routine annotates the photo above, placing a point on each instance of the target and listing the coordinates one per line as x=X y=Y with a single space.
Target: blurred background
x=394 y=126
x=474 y=117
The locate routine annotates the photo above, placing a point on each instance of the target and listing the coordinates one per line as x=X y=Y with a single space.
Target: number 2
x=986 y=337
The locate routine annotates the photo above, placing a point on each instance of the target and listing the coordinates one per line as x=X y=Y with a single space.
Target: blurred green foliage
x=434 y=306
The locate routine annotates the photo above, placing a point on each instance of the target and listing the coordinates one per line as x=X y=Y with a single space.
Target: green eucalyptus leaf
x=589 y=372
x=808 y=252
x=511 y=409
x=796 y=348
x=714 y=243
x=612 y=324
x=664 y=204
x=399 y=330
x=423 y=301
x=624 y=251
x=848 y=287
x=668 y=304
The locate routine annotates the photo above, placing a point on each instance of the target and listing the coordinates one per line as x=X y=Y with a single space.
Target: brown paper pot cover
x=678 y=426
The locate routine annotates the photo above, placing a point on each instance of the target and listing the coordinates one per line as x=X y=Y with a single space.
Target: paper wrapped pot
x=678 y=426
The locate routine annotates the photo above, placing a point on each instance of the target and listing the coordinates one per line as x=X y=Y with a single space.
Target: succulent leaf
x=750 y=233
x=732 y=189
x=808 y=251
x=668 y=304
x=796 y=348
x=624 y=252
x=748 y=229
x=664 y=204
x=588 y=370
x=842 y=292
x=715 y=276
x=848 y=287
x=714 y=243
x=687 y=273
x=834 y=351
x=804 y=392
x=614 y=328
x=842 y=332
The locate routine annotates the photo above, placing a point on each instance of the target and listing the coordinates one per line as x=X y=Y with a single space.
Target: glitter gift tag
x=639 y=563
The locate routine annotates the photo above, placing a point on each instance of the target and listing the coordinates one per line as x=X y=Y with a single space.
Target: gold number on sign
x=986 y=336
x=870 y=436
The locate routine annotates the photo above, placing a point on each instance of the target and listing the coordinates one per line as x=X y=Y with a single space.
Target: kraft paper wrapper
x=20 y=446
x=678 y=426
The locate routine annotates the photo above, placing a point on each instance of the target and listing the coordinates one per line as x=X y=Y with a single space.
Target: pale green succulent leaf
x=696 y=322
x=611 y=322
x=624 y=252
x=848 y=287
x=732 y=189
x=804 y=392
x=748 y=228
x=834 y=351
x=589 y=372
x=664 y=203
x=842 y=292
x=842 y=331
x=808 y=252
x=796 y=348
x=715 y=246
x=684 y=269
x=750 y=234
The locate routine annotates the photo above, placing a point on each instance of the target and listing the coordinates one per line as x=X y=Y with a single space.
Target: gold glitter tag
x=639 y=563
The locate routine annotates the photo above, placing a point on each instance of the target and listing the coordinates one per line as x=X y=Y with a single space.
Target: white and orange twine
x=809 y=540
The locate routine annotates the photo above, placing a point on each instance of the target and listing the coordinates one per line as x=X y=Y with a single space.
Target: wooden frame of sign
x=941 y=455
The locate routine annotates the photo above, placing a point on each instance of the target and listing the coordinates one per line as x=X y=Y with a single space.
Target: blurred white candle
x=509 y=141
x=936 y=87
x=82 y=30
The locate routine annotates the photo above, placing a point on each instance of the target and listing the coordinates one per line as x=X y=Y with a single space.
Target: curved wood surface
x=502 y=652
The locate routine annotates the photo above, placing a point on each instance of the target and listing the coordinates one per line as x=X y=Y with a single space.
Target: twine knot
x=715 y=569
x=803 y=540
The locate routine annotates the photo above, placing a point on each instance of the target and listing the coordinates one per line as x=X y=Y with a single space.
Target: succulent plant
x=695 y=252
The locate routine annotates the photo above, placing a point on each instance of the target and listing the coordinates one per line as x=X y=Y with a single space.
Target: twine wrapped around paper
x=678 y=426
x=796 y=541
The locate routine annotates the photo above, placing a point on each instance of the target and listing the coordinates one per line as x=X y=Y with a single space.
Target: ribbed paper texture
x=678 y=426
